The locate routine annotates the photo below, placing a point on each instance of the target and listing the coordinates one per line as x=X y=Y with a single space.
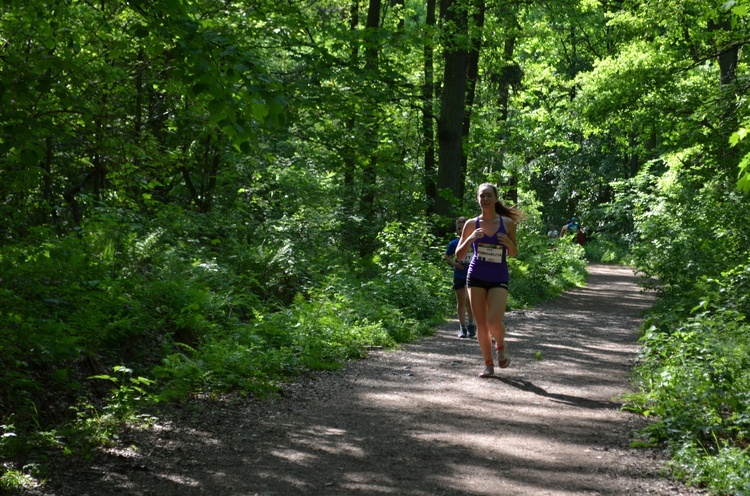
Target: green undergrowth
x=185 y=310
x=543 y=271
x=602 y=250
x=101 y=328
x=694 y=380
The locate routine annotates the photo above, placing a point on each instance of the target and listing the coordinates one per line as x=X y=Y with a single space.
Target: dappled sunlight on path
x=419 y=422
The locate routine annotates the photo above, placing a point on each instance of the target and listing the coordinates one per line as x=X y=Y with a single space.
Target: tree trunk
x=369 y=174
x=47 y=193
x=211 y=163
x=510 y=78
x=453 y=101
x=472 y=76
x=428 y=96
x=727 y=56
x=350 y=156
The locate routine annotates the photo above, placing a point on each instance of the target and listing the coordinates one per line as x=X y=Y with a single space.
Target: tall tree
x=428 y=105
x=369 y=174
x=350 y=160
x=454 y=20
x=472 y=75
x=509 y=78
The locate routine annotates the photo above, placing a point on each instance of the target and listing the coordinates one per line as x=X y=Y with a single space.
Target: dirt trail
x=419 y=421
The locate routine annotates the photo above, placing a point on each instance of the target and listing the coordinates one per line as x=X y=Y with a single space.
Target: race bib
x=467 y=258
x=490 y=253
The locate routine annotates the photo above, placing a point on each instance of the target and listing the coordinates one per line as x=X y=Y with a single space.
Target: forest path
x=418 y=421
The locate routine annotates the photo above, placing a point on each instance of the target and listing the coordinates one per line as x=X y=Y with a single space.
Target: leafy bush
x=722 y=470
x=694 y=375
x=604 y=250
x=543 y=271
x=410 y=274
x=322 y=328
x=255 y=356
x=678 y=243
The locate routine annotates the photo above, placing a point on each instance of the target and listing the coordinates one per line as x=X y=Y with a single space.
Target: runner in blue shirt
x=467 y=329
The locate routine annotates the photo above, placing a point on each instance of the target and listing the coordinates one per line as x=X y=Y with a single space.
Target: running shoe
x=488 y=371
x=503 y=359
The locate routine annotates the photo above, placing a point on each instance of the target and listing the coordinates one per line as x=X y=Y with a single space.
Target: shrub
x=694 y=377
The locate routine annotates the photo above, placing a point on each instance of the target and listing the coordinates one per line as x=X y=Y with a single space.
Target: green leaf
x=199 y=88
x=141 y=31
x=104 y=377
x=744 y=183
x=260 y=111
x=30 y=157
x=217 y=109
x=737 y=136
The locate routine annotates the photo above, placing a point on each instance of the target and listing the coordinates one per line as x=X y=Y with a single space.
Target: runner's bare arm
x=468 y=235
x=509 y=240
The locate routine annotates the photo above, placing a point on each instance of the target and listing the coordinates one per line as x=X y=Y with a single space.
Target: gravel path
x=418 y=421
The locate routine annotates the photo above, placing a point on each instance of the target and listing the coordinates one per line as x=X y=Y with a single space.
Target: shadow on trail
x=419 y=422
x=562 y=398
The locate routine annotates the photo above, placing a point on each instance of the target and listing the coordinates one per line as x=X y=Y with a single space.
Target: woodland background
x=209 y=197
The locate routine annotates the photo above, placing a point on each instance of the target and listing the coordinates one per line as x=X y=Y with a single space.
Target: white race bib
x=467 y=258
x=490 y=253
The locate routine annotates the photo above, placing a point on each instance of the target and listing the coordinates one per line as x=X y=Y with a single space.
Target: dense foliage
x=213 y=196
x=188 y=310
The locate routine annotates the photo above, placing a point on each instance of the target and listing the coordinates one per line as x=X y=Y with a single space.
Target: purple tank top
x=489 y=262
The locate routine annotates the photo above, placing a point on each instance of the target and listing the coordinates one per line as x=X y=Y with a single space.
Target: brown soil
x=418 y=421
